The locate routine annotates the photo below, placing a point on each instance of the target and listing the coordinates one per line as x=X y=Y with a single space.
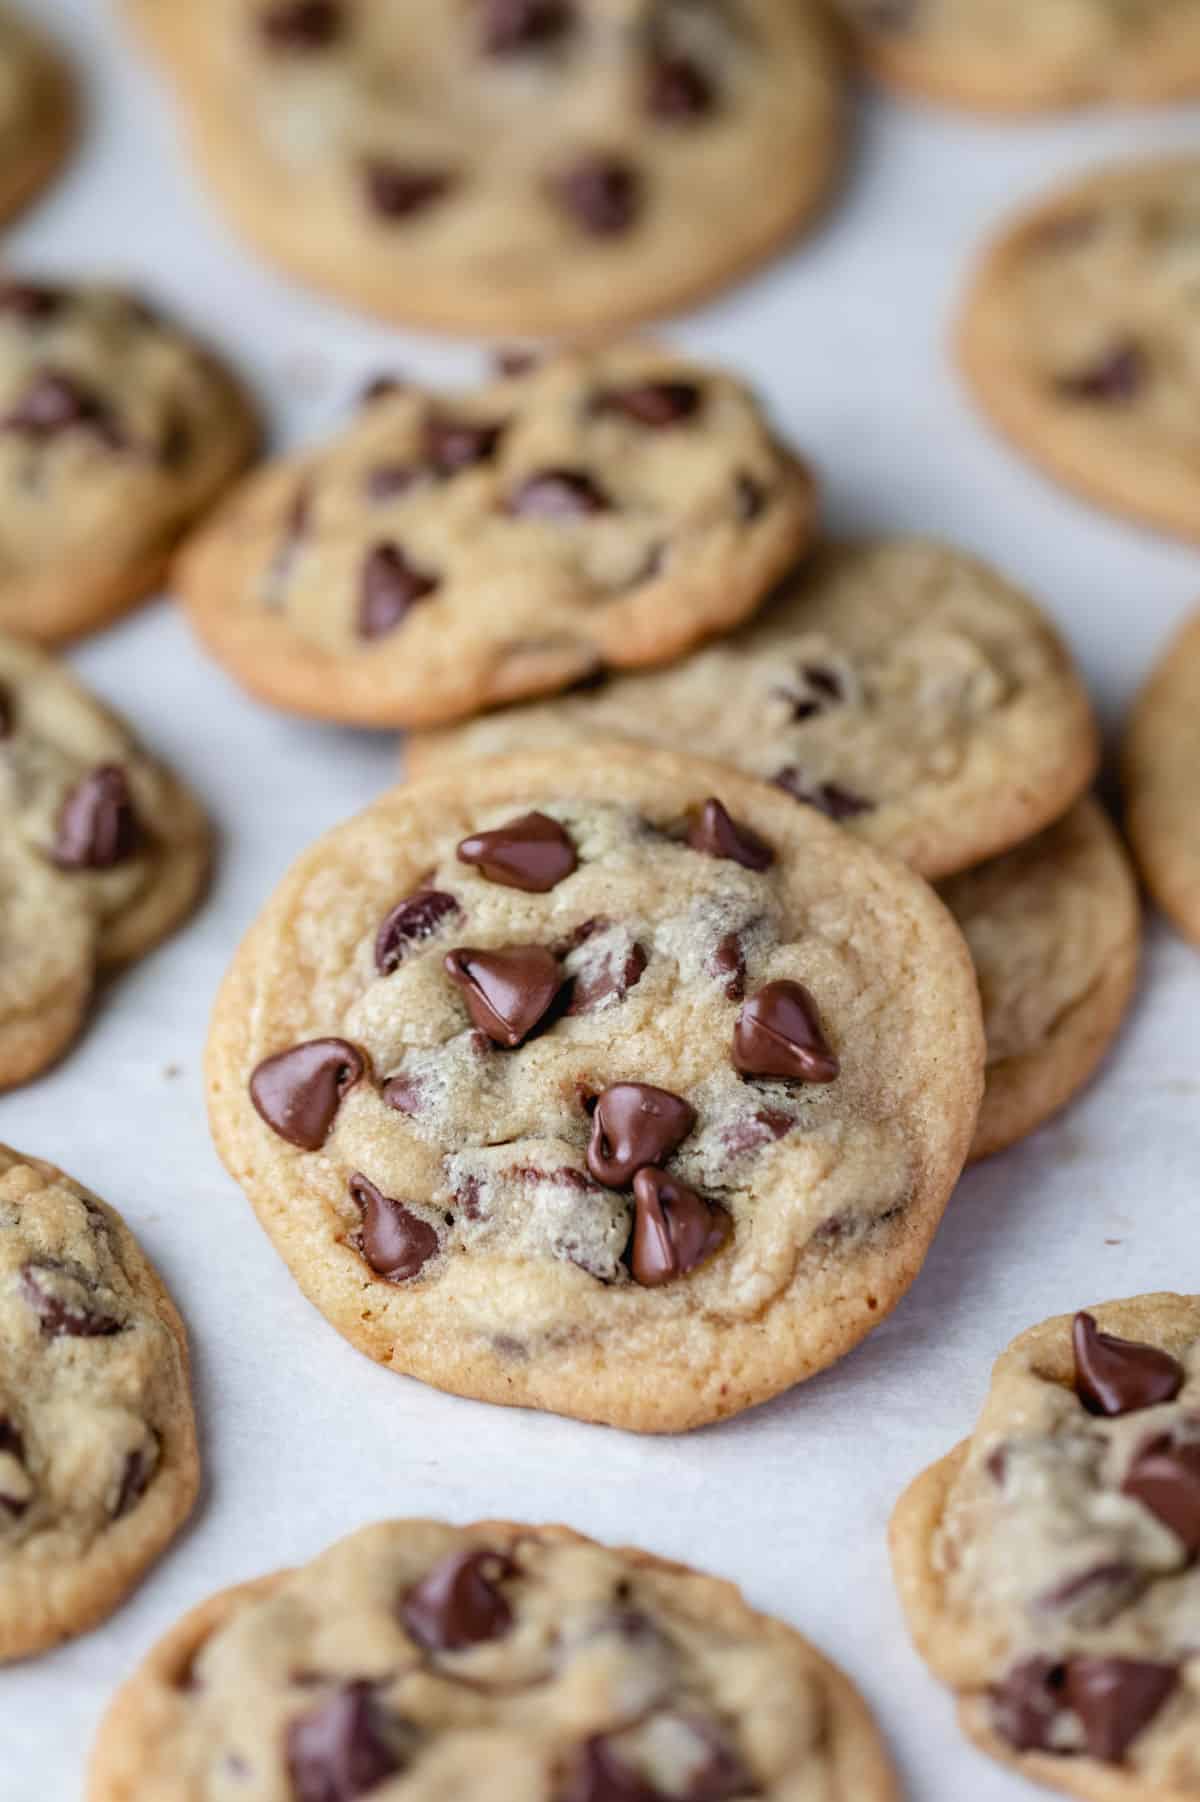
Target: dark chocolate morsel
x=678 y=91
x=508 y=991
x=597 y=1774
x=1165 y=1478
x=602 y=194
x=386 y=481
x=654 y=404
x=299 y=1091
x=608 y=979
x=395 y=1242
x=634 y=1124
x=65 y=1315
x=1115 y=1700
x=301 y=24
x=417 y=917
x=139 y=1467
x=750 y=497
x=830 y=798
x=533 y=853
x=391 y=586
x=1026 y=1705
x=1116 y=377
x=336 y=1751
x=398 y=191
x=510 y=26
x=455 y=444
x=675 y=1229
x=34 y=301
x=718 y=834
x=12 y=1446
x=778 y=1034
x=459 y=1602
x=728 y=964
x=1119 y=1376
x=558 y=494
x=97 y=825
x=56 y=401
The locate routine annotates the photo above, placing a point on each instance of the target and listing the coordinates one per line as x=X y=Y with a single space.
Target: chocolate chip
x=395 y=1242
x=416 y=918
x=1026 y=1705
x=382 y=387
x=391 y=586
x=406 y=1094
x=653 y=404
x=34 y=301
x=829 y=798
x=608 y=979
x=12 y=1446
x=634 y=1124
x=301 y=24
x=675 y=1229
x=1165 y=1478
x=718 y=834
x=752 y=1131
x=1096 y=1596
x=1119 y=1376
x=452 y=445
x=558 y=494
x=388 y=480
x=299 y=1091
x=1115 y=377
x=678 y=91
x=778 y=1034
x=337 y=1752
x=507 y=992
x=728 y=963
x=511 y=26
x=515 y=360
x=402 y=191
x=139 y=1467
x=1115 y=1700
x=532 y=853
x=597 y=1774
x=55 y=402
x=8 y=714
x=459 y=1604
x=750 y=497
x=825 y=681
x=60 y=1299
x=602 y=193
x=97 y=825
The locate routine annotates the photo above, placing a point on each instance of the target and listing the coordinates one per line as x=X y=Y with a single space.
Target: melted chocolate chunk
x=12 y=1446
x=8 y=714
x=511 y=26
x=395 y=1242
x=406 y=1094
x=597 y=1774
x=1115 y=378
x=391 y=587
x=602 y=194
x=138 y=1469
x=753 y=1131
x=830 y=798
x=65 y=1315
x=778 y=1034
x=634 y=1124
x=387 y=481
x=452 y=445
x=507 y=992
x=55 y=402
x=400 y=191
x=299 y=1091
x=533 y=853
x=608 y=980
x=728 y=963
x=459 y=1603
x=1118 y=1376
x=34 y=301
x=516 y=360
x=337 y=1751
x=653 y=404
x=382 y=387
x=301 y=24
x=416 y=918
x=750 y=497
x=679 y=91
x=1115 y=1700
x=558 y=494
x=675 y=1229
x=97 y=825
x=1096 y=1596
x=1026 y=1705
x=1165 y=1478
x=718 y=834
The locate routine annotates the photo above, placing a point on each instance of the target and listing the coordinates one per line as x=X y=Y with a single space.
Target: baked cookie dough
x=98 y=1462
x=449 y=552
x=617 y=1086
x=1026 y=56
x=899 y=686
x=1160 y=759
x=117 y=430
x=1048 y=1565
x=1054 y=933
x=37 y=112
x=102 y=853
x=1080 y=341
x=500 y=166
x=489 y=1663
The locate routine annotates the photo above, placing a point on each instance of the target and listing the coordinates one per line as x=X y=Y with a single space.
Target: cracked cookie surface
x=512 y=1663
x=616 y=1086
x=1048 y=1565
x=37 y=112
x=116 y=431
x=98 y=1461
x=451 y=551
x=510 y=165
x=1080 y=341
x=99 y=838
x=1159 y=761
x=899 y=686
x=1031 y=55
x=1053 y=931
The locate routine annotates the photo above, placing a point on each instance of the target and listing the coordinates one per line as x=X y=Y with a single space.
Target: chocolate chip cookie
x=37 y=112
x=116 y=431
x=619 y=1086
x=98 y=1462
x=96 y=836
x=1054 y=933
x=510 y=165
x=448 y=552
x=1080 y=341
x=900 y=687
x=1048 y=1565
x=1160 y=759
x=489 y=1663
x=1031 y=55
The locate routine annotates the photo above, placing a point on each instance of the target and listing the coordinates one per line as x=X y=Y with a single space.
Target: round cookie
x=899 y=686
x=116 y=432
x=491 y=1663
x=1026 y=56
x=1053 y=931
x=97 y=837
x=37 y=113
x=98 y=1461
x=608 y=507
x=1048 y=1565
x=1078 y=339
x=509 y=166
x=1159 y=762
x=616 y=1086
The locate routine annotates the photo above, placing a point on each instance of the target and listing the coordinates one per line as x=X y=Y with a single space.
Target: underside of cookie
x=1159 y=761
x=493 y=1662
x=619 y=1087
x=1048 y=1565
